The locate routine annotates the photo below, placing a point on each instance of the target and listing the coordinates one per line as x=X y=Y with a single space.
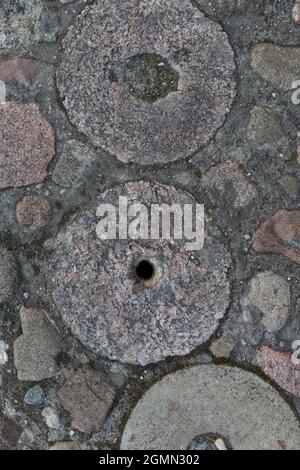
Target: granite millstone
x=227 y=401
x=119 y=54
x=95 y=287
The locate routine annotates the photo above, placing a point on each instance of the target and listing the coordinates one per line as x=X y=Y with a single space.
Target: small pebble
x=34 y=396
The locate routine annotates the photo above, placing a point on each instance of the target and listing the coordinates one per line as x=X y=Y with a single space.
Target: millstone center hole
x=145 y=270
x=147 y=77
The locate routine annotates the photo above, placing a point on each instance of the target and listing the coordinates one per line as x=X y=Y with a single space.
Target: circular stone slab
x=147 y=80
x=137 y=301
x=226 y=401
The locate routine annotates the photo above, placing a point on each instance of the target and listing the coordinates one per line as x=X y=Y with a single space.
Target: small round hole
x=145 y=270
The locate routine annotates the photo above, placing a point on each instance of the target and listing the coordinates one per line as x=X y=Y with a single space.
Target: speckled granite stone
x=102 y=64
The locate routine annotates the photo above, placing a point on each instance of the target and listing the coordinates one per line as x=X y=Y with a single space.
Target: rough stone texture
x=33 y=212
x=22 y=70
x=35 y=350
x=211 y=399
x=3 y=353
x=296 y=11
x=228 y=178
x=26 y=145
x=75 y=159
x=69 y=445
x=88 y=395
x=280 y=234
x=264 y=127
x=51 y=417
x=140 y=323
x=34 y=396
x=221 y=348
x=10 y=432
x=291 y=185
x=23 y=22
x=279 y=366
x=106 y=38
x=269 y=293
x=279 y=65
x=8 y=274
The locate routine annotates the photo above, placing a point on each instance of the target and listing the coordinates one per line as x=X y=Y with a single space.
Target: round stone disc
x=147 y=80
x=240 y=407
x=137 y=301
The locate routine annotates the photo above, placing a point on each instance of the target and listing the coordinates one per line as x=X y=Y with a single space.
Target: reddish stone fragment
x=33 y=212
x=279 y=235
x=22 y=70
x=26 y=145
x=280 y=367
x=88 y=395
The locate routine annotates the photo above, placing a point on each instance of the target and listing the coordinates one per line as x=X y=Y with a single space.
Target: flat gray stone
x=155 y=79
x=35 y=350
x=226 y=401
x=277 y=64
x=264 y=127
x=270 y=294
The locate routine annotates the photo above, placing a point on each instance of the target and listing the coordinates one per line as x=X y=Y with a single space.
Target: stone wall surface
x=128 y=344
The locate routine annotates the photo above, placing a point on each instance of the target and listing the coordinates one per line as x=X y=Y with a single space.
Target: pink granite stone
x=279 y=366
x=26 y=145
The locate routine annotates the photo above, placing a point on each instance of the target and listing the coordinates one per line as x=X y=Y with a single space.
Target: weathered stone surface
x=51 y=418
x=122 y=48
x=228 y=178
x=280 y=234
x=88 y=395
x=276 y=64
x=296 y=11
x=270 y=294
x=211 y=399
x=69 y=445
x=178 y=308
x=26 y=145
x=8 y=274
x=23 y=22
x=291 y=185
x=73 y=162
x=3 y=353
x=221 y=348
x=10 y=432
x=279 y=366
x=34 y=396
x=264 y=127
x=35 y=350
x=33 y=212
x=22 y=70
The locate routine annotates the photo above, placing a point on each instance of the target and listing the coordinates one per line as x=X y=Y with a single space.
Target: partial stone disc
x=147 y=80
x=137 y=301
x=237 y=406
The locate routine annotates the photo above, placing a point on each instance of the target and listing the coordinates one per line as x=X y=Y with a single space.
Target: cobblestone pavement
x=161 y=101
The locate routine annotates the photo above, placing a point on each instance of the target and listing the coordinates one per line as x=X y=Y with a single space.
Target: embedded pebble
x=34 y=396
x=280 y=234
x=27 y=145
x=270 y=294
x=36 y=349
x=88 y=395
x=33 y=212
